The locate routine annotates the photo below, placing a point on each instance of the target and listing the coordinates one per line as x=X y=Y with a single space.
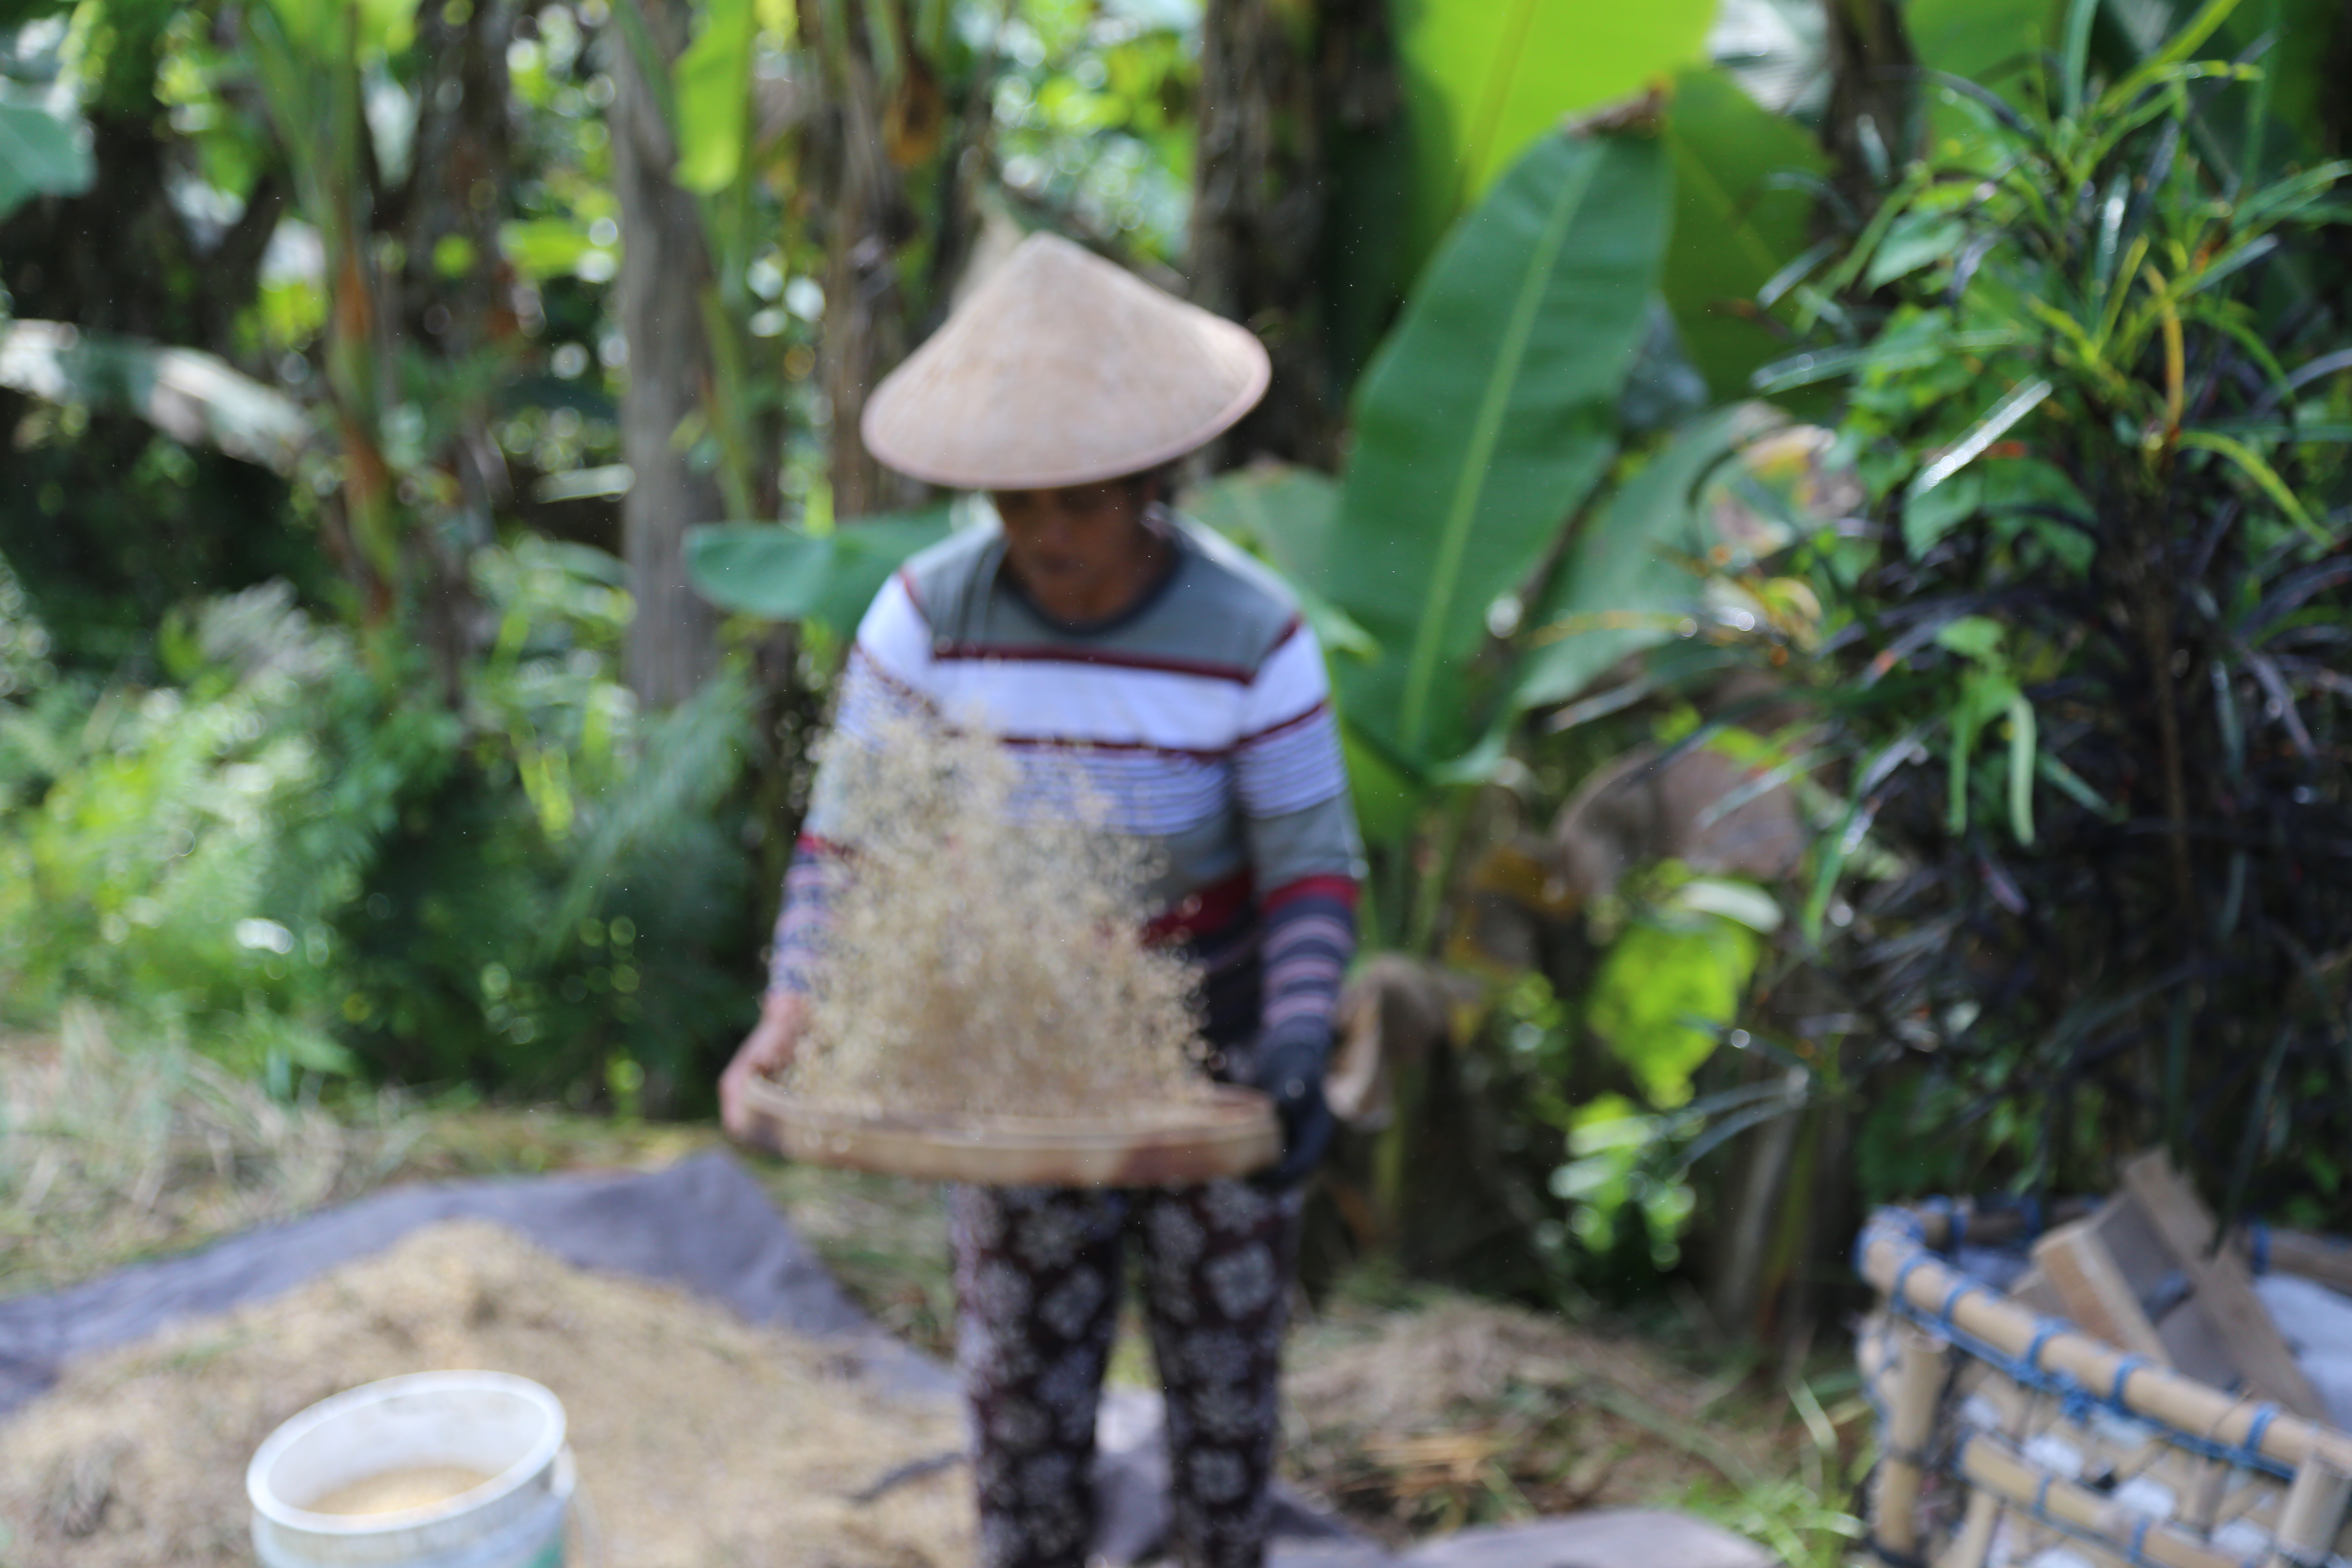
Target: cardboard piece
x=2142 y=1272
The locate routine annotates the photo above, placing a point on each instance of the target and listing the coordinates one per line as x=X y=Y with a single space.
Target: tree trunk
x=1285 y=98
x=457 y=296
x=665 y=267
x=860 y=210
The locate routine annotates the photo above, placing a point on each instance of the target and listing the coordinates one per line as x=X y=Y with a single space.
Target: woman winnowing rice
x=1095 y=628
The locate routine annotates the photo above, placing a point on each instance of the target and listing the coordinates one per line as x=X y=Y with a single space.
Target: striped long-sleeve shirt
x=1201 y=718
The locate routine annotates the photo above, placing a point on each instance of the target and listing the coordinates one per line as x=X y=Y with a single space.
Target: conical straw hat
x=1062 y=369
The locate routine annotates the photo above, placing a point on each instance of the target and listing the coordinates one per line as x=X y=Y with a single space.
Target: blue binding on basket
x=2076 y=1399
x=2134 y=1552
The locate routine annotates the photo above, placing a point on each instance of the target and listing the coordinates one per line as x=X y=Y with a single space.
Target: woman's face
x=1080 y=551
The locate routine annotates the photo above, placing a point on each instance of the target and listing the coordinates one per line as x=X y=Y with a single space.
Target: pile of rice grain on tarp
x=984 y=950
x=701 y=1440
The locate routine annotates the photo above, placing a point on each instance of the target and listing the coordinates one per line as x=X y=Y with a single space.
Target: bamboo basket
x=1234 y=1134
x=2011 y=1438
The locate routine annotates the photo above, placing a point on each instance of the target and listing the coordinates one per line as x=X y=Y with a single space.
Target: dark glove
x=1290 y=1072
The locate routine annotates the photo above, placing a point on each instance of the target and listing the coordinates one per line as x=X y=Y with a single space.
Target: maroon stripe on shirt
x=1134 y=748
x=1114 y=659
x=1344 y=888
x=1292 y=722
x=1208 y=909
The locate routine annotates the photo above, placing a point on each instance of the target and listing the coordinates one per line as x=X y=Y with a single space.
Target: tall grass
x=110 y=1152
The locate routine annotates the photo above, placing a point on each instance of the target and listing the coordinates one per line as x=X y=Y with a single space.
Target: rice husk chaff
x=985 y=953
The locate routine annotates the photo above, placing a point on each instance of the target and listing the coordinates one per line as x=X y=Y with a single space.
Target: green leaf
x=1621 y=586
x=543 y=248
x=1733 y=229
x=1662 y=995
x=1935 y=514
x=1488 y=418
x=1386 y=796
x=40 y=155
x=1993 y=43
x=777 y=571
x=1986 y=694
x=2023 y=746
x=1278 y=511
x=324 y=29
x=2074 y=65
x=713 y=80
x=2266 y=478
x=1973 y=637
x=2179 y=46
x=193 y=398
x=2018 y=492
x=1917 y=240
x=1744 y=902
x=1484 y=78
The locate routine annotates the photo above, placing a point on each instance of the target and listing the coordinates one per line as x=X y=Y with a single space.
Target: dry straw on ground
x=1461 y=1410
x=702 y=1442
x=985 y=951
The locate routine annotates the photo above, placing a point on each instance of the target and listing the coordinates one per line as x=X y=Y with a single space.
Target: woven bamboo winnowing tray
x=1233 y=1134
x=2010 y=1437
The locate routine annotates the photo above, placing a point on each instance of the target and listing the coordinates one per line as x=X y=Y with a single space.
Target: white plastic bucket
x=508 y=1428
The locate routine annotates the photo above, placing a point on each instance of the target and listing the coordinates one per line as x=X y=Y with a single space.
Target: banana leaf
x=1277 y=511
x=1485 y=422
x=1735 y=229
x=1484 y=78
x=786 y=574
x=40 y=155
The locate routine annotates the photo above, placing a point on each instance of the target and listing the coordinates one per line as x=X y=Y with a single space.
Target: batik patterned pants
x=1037 y=1288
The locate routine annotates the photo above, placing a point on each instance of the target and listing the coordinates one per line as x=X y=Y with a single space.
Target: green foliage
x=145 y=855
x=1675 y=979
x=1999 y=46
x=1484 y=421
x=1090 y=107
x=1608 y=1179
x=319 y=875
x=2079 y=656
x=24 y=666
x=1632 y=578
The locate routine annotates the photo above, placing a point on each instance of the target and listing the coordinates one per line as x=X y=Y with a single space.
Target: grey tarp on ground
x=706 y=1226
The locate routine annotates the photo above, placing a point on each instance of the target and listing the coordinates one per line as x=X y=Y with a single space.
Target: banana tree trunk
x=456 y=296
x=665 y=268
x=859 y=207
x=1284 y=97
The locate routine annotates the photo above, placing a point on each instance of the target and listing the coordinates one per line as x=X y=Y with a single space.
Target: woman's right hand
x=764 y=1051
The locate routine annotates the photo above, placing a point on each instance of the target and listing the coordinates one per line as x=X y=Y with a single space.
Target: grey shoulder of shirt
x=936 y=571
x=1255 y=611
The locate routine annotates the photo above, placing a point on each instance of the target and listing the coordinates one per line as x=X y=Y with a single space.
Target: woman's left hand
x=1291 y=1074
